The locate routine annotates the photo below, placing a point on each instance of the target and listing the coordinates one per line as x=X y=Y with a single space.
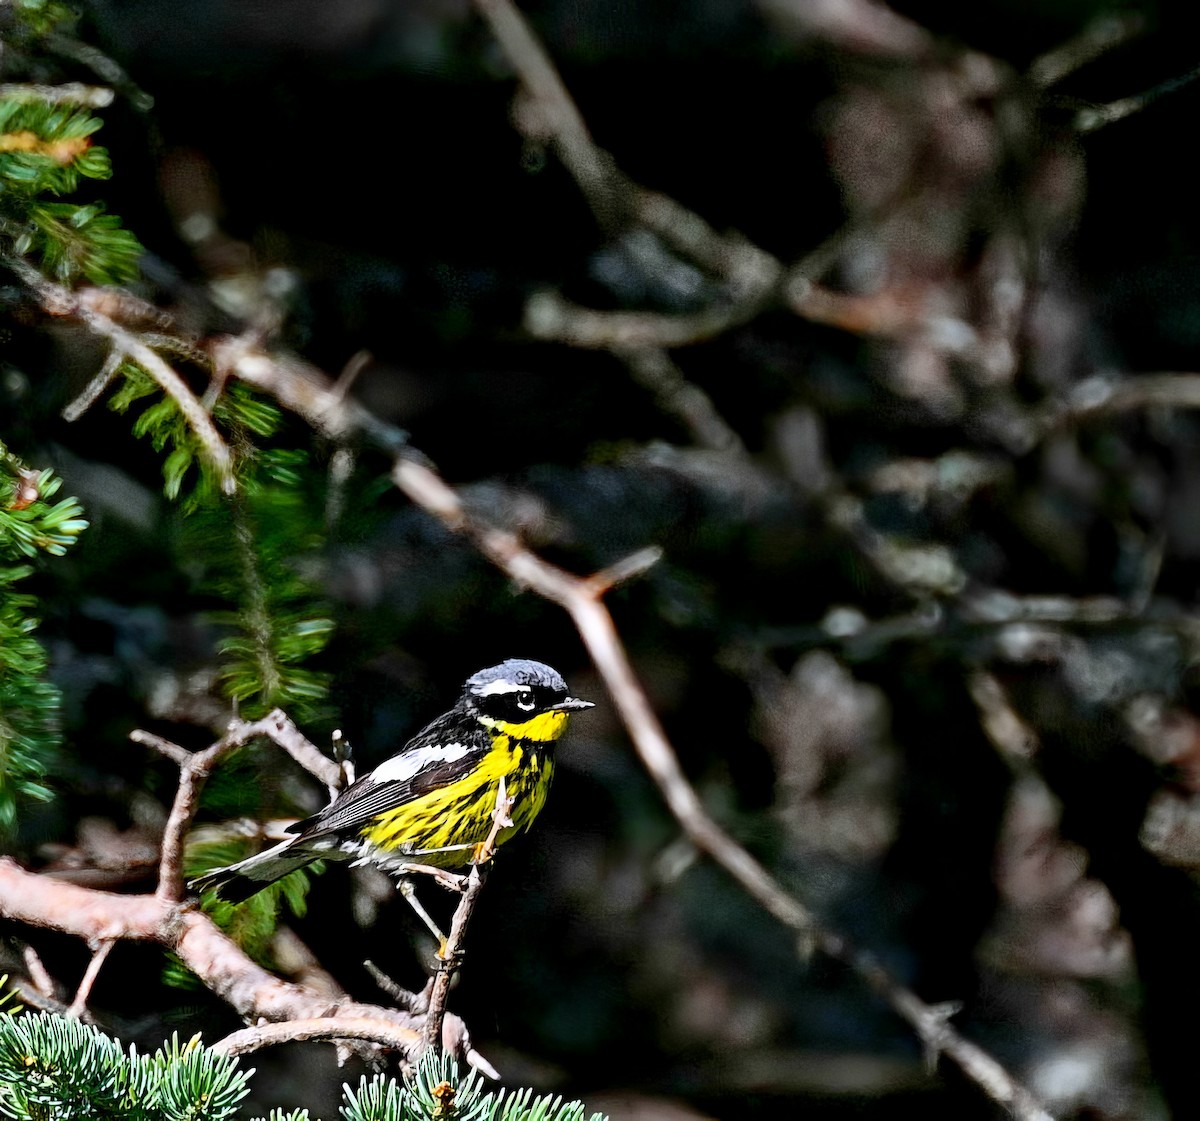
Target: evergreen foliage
x=278 y=623
x=57 y=1069
x=46 y=149
x=434 y=1092
x=29 y=704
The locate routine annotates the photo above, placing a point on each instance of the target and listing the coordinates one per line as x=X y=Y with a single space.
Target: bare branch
x=57 y=300
x=394 y=1037
x=1097 y=38
x=89 y=979
x=1008 y=733
x=163 y=746
x=630 y=568
x=413 y=1002
x=450 y=955
x=69 y=93
x=96 y=387
x=177 y=389
x=1101 y=396
x=652 y=367
x=196 y=767
x=554 y=116
x=1094 y=117
x=38 y=973
x=277 y=726
x=100 y=916
x=550 y=317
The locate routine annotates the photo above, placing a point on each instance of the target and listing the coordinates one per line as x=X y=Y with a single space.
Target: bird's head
x=522 y=699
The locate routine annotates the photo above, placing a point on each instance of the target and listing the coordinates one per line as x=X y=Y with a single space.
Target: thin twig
x=1095 y=117
x=410 y=1001
x=1099 y=396
x=652 y=367
x=349 y=375
x=630 y=568
x=57 y=300
x=102 y=66
x=321 y=1027
x=89 y=979
x=38 y=973
x=1011 y=736
x=96 y=387
x=551 y=317
x=558 y=118
x=278 y=727
x=195 y=767
x=172 y=751
x=450 y=955
x=69 y=93
x=1097 y=38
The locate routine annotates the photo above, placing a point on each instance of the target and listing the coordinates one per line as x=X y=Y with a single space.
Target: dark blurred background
x=925 y=642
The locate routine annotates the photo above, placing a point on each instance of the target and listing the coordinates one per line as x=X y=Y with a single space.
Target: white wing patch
x=403 y=767
x=501 y=686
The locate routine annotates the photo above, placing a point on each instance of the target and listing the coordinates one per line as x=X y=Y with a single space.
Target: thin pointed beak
x=572 y=704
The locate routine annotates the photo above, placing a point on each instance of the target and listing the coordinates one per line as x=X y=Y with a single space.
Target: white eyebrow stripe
x=401 y=768
x=494 y=687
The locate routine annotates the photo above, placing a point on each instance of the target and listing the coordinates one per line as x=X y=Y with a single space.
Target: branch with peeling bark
x=280 y=1010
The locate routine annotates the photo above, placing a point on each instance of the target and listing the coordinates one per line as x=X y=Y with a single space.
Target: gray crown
x=518 y=671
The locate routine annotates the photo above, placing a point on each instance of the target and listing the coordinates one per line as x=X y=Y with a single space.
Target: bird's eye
x=526 y=702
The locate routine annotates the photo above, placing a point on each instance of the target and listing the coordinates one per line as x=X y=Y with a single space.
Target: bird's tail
x=237 y=882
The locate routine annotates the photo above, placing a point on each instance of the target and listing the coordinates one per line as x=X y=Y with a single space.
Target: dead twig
x=410 y=1001
x=554 y=116
x=195 y=767
x=1096 y=39
x=68 y=93
x=450 y=955
x=59 y=301
x=316 y=1028
x=1098 y=116
x=100 y=917
x=79 y=1004
x=95 y=388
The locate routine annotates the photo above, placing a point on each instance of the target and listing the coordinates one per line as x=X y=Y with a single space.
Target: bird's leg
x=452 y=881
x=501 y=819
x=410 y=893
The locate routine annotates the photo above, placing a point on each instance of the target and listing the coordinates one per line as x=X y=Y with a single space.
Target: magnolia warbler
x=434 y=803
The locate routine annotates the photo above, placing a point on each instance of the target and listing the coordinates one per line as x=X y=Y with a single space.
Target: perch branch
x=79 y=1004
x=451 y=953
x=317 y=1027
x=220 y=964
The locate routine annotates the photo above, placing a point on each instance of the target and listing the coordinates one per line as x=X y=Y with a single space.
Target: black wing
x=436 y=756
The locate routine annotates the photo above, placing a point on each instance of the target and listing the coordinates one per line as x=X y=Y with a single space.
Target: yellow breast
x=442 y=826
